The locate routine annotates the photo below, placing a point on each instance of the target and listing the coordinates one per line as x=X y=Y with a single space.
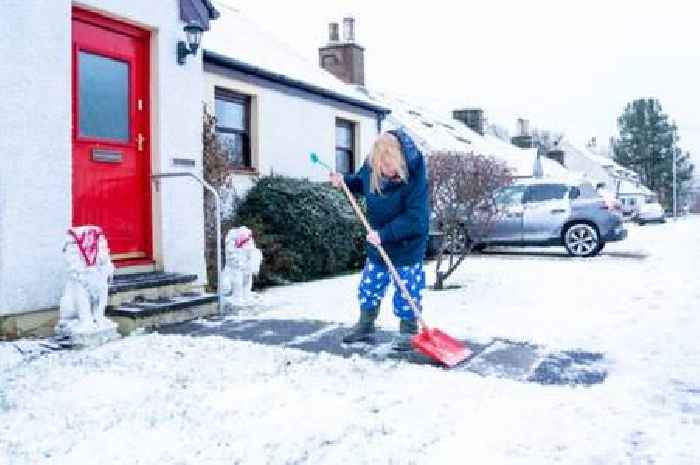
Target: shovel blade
x=440 y=346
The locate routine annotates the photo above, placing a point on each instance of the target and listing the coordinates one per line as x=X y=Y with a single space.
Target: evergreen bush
x=306 y=230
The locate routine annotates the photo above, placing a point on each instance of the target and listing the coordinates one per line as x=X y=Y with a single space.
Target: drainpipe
x=380 y=118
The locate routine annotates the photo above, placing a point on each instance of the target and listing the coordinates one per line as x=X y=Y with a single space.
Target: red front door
x=111 y=153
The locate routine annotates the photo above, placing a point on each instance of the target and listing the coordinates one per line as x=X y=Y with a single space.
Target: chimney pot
x=349 y=29
x=523 y=127
x=333 y=36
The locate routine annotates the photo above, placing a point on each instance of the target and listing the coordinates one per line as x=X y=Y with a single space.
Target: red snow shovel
x=430 y=341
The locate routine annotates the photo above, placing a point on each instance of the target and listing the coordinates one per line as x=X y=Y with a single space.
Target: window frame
x=77 y=125
x=232 y=96
x=350 y=152
x=499 y=193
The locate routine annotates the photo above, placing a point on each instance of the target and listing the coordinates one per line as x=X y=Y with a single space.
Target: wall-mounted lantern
x=193 y=31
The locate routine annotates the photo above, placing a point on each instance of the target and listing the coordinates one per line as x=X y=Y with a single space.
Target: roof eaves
x=237 y=65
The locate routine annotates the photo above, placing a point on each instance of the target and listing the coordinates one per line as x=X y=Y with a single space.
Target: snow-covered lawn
x=156 y=399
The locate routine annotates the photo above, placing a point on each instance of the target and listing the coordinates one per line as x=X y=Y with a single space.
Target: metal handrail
x=211 y=189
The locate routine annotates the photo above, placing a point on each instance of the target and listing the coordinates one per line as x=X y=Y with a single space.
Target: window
x=103 y=97
x=233 y=126
x=511 y=195
x=587 y=191
x=344 y=146
x=546 y=192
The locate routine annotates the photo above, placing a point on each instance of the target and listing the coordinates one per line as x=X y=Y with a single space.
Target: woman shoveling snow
x=393 y=181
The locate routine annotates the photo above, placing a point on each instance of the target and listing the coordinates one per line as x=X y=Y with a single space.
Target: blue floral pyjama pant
x=375 y=280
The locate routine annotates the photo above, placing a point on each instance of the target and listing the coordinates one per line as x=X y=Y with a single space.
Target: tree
x=462 y=188
x=647 y=143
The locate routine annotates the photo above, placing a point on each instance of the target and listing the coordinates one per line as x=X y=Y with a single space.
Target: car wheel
x=581 y=240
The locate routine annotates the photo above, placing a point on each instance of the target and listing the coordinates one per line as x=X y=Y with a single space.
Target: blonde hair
x=386 y=147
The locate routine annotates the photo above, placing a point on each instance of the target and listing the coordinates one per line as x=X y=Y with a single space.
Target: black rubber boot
x=407 y=329
x=363 y=331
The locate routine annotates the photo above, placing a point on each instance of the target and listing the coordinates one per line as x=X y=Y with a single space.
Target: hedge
x=306 y=230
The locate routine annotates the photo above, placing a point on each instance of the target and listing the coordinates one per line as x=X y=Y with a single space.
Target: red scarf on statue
x=88 y=242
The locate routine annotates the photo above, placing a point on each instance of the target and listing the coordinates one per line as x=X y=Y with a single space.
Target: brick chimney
x=345 y=59
x=472 y=117
x=523 y=139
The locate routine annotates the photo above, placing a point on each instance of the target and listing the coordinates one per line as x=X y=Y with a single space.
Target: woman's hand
x=373 y=238
x=336 y=179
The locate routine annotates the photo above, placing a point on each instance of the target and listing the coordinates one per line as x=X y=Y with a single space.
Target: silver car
x=547 y=212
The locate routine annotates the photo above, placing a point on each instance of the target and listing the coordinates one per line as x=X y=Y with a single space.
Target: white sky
x=565 y=66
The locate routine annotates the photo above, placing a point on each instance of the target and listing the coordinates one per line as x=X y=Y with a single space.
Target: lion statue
x=243 y=261
x=90 y=270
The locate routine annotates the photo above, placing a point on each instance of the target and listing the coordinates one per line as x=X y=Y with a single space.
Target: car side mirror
x=575 y=193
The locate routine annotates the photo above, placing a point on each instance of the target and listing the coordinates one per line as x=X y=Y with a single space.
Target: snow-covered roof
x=235 y=41
x=613 y=168
x=630 y=188
x=523 y=159
x=436 y=133
x=600 y=159
x=611 y=164
x=607 y=162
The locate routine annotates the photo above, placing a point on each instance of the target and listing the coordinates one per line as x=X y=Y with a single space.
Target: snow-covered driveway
x=173 y=399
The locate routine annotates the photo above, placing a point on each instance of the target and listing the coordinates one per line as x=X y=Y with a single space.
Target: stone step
x=129 y=282
x=148 y=313
x=150 y=286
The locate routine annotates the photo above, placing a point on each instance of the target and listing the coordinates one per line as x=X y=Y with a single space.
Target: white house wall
x=35 y=176
x=287 y=124
x=35 y=151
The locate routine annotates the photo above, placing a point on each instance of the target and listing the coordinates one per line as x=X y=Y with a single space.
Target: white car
x=650 y=212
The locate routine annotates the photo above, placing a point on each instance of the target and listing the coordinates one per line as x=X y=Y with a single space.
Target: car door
x=545 y=208
x=507 y=224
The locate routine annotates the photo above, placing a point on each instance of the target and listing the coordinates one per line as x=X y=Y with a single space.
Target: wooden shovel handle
x=394 y=274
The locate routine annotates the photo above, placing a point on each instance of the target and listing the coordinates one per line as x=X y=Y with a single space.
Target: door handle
x=558 y=210
x=139 y=142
